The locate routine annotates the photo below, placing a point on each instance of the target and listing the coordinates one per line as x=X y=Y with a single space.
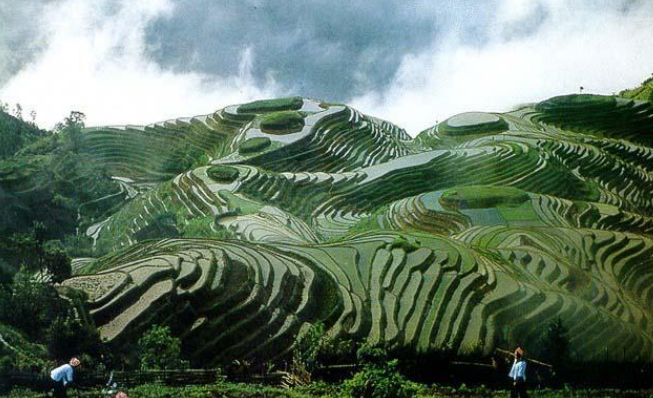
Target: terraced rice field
x=474 y=234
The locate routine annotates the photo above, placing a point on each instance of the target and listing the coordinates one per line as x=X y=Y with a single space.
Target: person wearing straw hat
x=62 y=377
x=518 y=375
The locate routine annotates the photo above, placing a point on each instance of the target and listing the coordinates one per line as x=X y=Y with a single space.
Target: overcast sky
x=408 y=61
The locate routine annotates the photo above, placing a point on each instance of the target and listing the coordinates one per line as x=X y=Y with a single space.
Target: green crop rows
x=474 y=234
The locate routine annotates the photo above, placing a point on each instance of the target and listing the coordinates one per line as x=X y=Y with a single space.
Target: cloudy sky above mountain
x=409 y=61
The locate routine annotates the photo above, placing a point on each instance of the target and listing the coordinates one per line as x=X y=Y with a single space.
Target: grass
x=272 y=105
x=643 y=92
x=225 y=174
x=325 y=390
x=473 y=124
x=236 y=202
x=255 y=144
x=522 y=212
x=284 y=122
x=576 y=100
x=482 y=196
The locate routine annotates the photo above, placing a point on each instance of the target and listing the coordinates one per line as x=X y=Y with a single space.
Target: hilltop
x=243 y=227
x=644 y=92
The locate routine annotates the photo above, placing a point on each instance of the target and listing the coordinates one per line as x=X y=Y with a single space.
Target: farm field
x=242 y=229
x=470 y=236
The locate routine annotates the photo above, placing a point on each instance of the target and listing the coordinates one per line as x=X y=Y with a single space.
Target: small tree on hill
x=71 y=130
x=159 y=349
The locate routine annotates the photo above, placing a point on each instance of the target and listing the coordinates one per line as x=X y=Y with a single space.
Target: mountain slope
x=242 y=228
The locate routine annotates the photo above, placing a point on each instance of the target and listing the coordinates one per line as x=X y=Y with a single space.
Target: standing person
x=62 y=377
x=518 y=375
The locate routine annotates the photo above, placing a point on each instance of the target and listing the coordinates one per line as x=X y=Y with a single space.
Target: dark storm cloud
x=409 y=61
x=327 y=49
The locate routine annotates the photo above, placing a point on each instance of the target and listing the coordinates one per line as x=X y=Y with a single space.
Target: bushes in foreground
x=323 y=390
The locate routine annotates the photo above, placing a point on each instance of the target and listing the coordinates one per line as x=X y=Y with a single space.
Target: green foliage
x=52 y=320
x=159 y=349
x=481 y=196
x=51 y=188
x=56 y=261
x=71 y=130
x=474 y=127
x=371 y=355
x=271 y=105
x=255 y=144
x=16 y=134
x=308 y=347
x=220 y=389
x=224 y=174
x=67 y=337
x=284 y=122
x=587 y=101
x=379 y=378
x=28 y=296
x=19 y=353
x=19 y=249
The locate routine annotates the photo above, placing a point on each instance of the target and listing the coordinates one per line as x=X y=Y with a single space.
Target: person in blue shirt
x=518 y=375
x=62 y=377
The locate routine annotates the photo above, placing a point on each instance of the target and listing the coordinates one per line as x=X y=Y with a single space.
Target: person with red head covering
x=518 y=375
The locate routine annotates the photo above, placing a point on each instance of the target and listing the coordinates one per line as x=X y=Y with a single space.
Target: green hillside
x=242 y=228
x=16 y=134
x=644 y=92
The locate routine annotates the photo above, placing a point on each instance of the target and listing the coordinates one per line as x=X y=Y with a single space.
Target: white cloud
x=95 y=62
x=94 y=59
x=579 y=43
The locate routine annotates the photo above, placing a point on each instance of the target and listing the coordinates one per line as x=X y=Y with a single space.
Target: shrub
x=285 y=122
x=272 y=105
x=223 y=173
x=29 y=296
x=254 y=145
x=475 y=197
x=159 y=349
x=379 y=378
x=56 y=261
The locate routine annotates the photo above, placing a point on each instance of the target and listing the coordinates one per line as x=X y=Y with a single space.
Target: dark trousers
x=518 y=389
x=59 y=390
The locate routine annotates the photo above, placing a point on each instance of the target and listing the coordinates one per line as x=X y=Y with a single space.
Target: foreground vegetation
x=322 y=390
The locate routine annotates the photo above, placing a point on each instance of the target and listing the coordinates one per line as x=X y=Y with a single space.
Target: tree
x=67 y=337
x=31 y=305
x=379 y=377
x=18 y=111
x=71 y=130
x=56 y=261
x=159 y=349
